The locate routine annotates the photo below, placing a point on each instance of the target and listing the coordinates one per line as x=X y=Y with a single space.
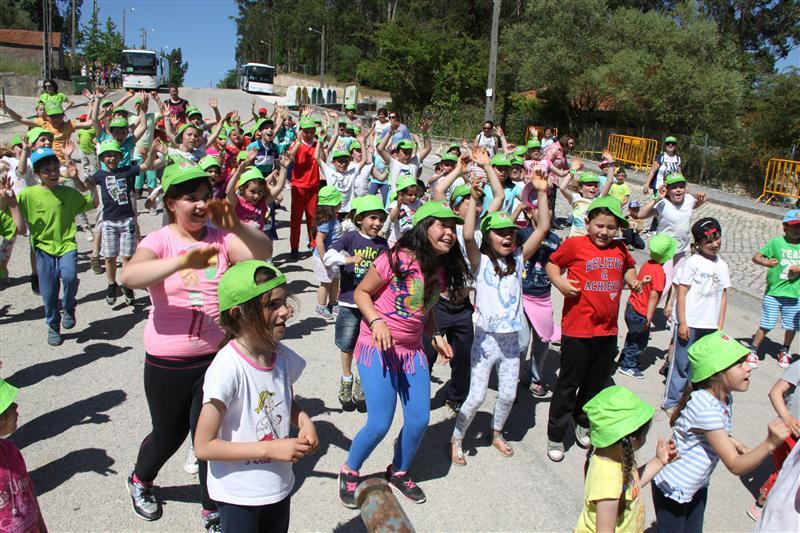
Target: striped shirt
x=682 y=479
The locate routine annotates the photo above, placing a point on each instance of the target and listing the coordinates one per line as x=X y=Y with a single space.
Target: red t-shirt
x=657 y=281
x=305 y=172
x=599 y=272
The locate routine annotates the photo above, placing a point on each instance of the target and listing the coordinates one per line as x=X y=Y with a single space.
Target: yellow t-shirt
x=604 y=482
x=60 y=135
x=620 y=191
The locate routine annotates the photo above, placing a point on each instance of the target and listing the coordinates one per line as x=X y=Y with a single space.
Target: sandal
x=456 y=453
x=503 y=446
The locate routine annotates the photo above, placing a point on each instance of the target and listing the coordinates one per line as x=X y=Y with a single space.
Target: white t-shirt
x=380 y=128
x=195 y=155
x=669 y=164
x=20 y=182
x=489 y=143
x=676 y=221
x=258 y=403
x=361 y=185
x=404 y=220
x=398 y=170
x=792 y=398
x=780 y=512
x=344 y=181
x=706 y=280
x=498 y=300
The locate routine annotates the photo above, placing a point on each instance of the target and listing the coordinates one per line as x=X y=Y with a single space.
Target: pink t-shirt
x=401 y=304
x=184 y=316
x=19 y=510
x=253 y=215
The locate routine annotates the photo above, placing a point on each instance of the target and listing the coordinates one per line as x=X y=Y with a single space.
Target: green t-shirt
x=86 y=140
x=778 y=281
x=50 y=215
x=59 y=98
x=7 y=227
x=620 y=191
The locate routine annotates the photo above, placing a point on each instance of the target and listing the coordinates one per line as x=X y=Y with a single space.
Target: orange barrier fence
x=782 y=178
x=637 y=152
x=539 y=132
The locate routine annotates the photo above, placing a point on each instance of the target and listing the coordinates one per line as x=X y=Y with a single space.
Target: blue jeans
x=674 y=517
x=346 y=329
x=381 y=389
x=53 y=271
x=679 y=372
x=636 y=339
x=381 y=188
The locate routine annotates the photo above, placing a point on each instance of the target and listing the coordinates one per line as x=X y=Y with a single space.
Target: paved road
x=83 y=414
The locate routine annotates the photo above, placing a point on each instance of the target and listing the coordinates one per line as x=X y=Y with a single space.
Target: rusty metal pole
x=380 y=510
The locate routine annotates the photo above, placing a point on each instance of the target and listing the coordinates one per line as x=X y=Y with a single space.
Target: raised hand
x=539 y=181
x=425 y=124
x=577 y=163
x=700 y=196
x=223 y=215
x=286 y=160
x=499 y=131
x=6 y=186
x=200 y=257
x=534 y=133
x=212 y=103
x=69 y=147
x=480 y=156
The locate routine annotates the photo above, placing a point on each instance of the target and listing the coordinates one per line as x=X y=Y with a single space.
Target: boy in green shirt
x=49 y=210
x=782 y=256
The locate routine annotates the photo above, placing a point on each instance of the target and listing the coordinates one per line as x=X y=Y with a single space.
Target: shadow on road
x=112 y=328
x=88 y=411
x=58 y=367
x=305 y=326
x=353 y=525
x=53 y=474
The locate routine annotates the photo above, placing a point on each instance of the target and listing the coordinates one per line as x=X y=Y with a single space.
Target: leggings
x=674 y=517
x=379 y=188
x=272 y=518
x=174 y=391
x=381 y=387
x=488 y=350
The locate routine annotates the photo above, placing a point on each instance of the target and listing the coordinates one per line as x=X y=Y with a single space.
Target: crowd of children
x=458 y=266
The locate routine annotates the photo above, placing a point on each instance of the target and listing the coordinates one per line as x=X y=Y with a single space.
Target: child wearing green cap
x=249 y=406
x=701 y=426
x=402 y=162
x=343 y=173
x=619 y=422
x=328 y=230
x=497 y=266
x=641 y=306
x=19 y=508
x=250 y=191
x=596 y=265
x=11 y=221
x=119 y=130
x=588 y=190
x=402 y=208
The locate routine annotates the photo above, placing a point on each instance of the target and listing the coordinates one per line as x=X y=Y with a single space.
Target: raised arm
x=218 y=129
x=444 y=183
x=609 y=173
x=470 y=244
x=280 y=181
x=212 y=103
x=563 y=186
x=534 y=241
x=382 y=151
x=141 y=121
x=16 y=116
x=425 y=126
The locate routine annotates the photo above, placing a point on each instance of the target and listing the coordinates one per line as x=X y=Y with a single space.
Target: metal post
x=322 y=60
x=73 y=29
x=490 y=82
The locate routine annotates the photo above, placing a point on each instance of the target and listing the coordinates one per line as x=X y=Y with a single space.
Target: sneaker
x=664 y=369
x=537 y=389
x=631 y=372
x=334 y=310
x=405 y=485
x=111 y=294
x=211 y=522
x=145 y=504
x=294 y=255
x=453 y=407
x=348 y=482
x=752 y=359
x=784 y=359
x=582 y=436
x=67 y=320
x=35 y=284
x=190 y=465
x=323 y=312
x=53 y=337
x=97 y=264
x=555 y=451
x=358 y=392
x=754 y=511
x=127 y=293
x=346 y=393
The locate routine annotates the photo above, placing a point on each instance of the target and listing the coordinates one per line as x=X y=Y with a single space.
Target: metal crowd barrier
x=636 y=152
x=782 y=178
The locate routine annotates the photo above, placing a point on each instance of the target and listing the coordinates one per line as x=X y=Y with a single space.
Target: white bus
x=257 y=78
x=143 y=70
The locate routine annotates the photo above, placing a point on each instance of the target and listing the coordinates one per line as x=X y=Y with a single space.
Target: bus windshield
x=139 y=63
x=260 y=74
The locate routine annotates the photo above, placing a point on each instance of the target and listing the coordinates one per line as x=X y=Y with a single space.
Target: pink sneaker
x=784 y=359
x=752 y=360
x=754 y=511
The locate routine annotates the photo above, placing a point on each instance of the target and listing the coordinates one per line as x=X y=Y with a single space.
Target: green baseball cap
x=109 y=145
x=179 y=135
x=343 y=122
x=8 y=393
x=662 y=248
x=462 y=191
x=106 y=102
x=500 y=160
x=238 y=283
x=497 y=220
x=137 y=101
x=612 y=204
x=454 y=146
x=449 y=157
x=533 y=143
x=350 y=106
x=119 y=122
x=307 y=122
x=405 y=144
x=615 y=412
x=34 y=134
x=365 y=204
x=435 y=209
x=329 y=195
x=241 y=156
x=16 y=139
x=670 y=139
x=251 y=174
x=520 y=151
x=406 y=182
x=190 y=111
x=713 y=353
x=262 y=123
x=209 y=161
x=517 y=161
x=181 y=172
x=121 y=110
x=588 y=177
x=675 y=177
x=355 y=145
x=53 y=108
x=340 y=153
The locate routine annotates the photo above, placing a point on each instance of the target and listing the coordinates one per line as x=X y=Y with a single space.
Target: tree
x=12 y=15
x=177 y=67
x=103 y=46
x=230 y=80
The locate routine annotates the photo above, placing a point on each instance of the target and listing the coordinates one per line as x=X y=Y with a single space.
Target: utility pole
x=73 y=29
x=490 y=82
x=321 y=55
x=124 y=10
x=144 y=38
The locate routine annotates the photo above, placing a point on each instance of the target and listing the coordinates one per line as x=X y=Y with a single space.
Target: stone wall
x=17 y=85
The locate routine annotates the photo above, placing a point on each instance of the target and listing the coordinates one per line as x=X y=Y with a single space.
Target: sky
x=202 y=29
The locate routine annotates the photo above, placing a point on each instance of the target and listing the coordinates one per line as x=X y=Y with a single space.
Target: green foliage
x=102 y=45
x=177 y=67
x=13 y=15
x=20 y=67
x=230 y=80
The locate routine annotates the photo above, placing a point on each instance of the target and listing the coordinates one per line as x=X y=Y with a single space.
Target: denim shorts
x=348 y=323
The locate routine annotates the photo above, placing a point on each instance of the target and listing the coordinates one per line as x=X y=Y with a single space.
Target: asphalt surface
x=83 y=415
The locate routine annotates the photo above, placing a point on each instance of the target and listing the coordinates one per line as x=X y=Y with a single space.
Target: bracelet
x=373 y=321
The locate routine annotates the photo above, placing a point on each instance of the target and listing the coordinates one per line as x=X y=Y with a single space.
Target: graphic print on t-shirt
x=270 y=421
x=191 y=280
x=604 y=264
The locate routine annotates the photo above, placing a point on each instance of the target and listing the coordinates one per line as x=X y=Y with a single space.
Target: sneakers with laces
x=754 y=511
x=555 y=451
x=53 y=337
x=582 y=436
x=97 y=264
x=358 y=392
x=453 y=408
x=130 y=298
x=348 y=482
x=111 y=294
x=752 y=359
x=323 y=312
x=784 y=359
x=67 y=320
x=631 y=372
x=145 y=504
x=190 y=465
x=211 y=522
x=334 y=309
x=346 y=394
x=404 y=485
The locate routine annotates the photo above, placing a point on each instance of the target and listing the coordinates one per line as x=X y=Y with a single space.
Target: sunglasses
x=393 y=117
